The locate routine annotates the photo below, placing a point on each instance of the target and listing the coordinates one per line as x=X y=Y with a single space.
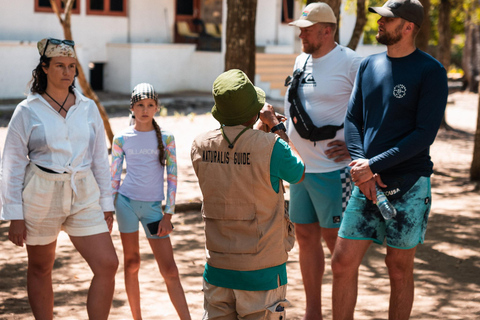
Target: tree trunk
x=86 y=88
x=467 y=54
x=444 y=33
x=475 y=166
x=424 y=34
x=240 y=41
x=472 y=42
x=475 y=63
x=444 y=42
x=359 y=25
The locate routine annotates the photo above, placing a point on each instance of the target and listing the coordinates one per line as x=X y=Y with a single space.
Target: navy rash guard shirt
x=394 y=112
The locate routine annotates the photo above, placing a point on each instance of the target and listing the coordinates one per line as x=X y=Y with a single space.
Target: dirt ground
x=447 y=275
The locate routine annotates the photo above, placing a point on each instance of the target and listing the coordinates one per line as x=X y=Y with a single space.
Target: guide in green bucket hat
x=237 y=100
x=240 y=169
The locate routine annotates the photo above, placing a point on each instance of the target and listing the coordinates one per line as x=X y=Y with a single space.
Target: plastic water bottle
x=387 y=210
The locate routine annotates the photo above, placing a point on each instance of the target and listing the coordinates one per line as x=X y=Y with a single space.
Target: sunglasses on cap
x=70 y=43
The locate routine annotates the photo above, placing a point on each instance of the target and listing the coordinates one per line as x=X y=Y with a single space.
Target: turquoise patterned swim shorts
x=362 y=219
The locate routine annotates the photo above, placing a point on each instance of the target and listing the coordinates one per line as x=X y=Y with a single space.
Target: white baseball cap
x=314 y=13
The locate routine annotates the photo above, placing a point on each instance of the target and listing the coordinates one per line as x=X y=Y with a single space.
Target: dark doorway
x=96 y=76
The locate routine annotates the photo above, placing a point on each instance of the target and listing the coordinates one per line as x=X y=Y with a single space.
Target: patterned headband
x=50 y=48
x=143 y=91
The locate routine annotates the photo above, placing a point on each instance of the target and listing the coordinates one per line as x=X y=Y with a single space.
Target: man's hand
x=360 y=171
x=338 y=151
x=268 y=117
x=165 y=226
x=368 y=188
x=109 y=219
x=17 y=233
x=259 y=125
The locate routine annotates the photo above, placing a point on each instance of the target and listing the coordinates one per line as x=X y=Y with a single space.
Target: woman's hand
x=17 y=233
x=109 y=219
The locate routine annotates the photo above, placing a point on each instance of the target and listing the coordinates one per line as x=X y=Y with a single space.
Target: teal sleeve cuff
x=284 y=165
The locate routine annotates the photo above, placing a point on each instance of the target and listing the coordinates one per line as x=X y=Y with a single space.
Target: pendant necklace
x=60 y=105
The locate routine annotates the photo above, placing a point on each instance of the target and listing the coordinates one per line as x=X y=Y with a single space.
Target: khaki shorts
x=50 y=205
x=230 y=304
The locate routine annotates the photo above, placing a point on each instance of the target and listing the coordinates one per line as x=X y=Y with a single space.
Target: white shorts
x=50 y=205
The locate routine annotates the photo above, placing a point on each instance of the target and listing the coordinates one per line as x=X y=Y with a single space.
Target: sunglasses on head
x=70 y=43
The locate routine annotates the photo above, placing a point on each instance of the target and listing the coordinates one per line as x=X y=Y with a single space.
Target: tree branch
x=68 y=14
x=56 y=10
x=359 y=25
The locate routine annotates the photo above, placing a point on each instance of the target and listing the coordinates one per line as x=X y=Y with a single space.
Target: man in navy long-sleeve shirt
x=395 y=110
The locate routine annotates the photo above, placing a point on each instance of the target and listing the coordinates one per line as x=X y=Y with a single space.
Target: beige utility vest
x=246 y=227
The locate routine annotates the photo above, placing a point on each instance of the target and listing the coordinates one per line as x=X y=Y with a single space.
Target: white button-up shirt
x=38 y=133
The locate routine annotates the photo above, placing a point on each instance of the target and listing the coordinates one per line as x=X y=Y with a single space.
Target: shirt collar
x=79 y=95
x=33 y=96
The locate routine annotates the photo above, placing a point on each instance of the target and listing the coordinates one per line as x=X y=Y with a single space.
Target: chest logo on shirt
x=399 y=91
x=308 y=80
x=142 y=151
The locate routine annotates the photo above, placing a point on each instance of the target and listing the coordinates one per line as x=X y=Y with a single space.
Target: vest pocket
x=230 y=228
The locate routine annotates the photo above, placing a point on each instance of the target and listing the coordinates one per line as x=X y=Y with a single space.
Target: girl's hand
x=165 y=226
x=109 y=219
x=17 y=233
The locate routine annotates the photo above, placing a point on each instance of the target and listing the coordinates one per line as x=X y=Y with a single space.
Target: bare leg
x=346 y=260
x=400 y=270
x=330 y=236
x=131 y=259
x=312 y=266
x=163 y=252
x=100 y=255
x=39 y=280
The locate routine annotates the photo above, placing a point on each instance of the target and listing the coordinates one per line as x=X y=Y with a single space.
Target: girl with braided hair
x=148 y=150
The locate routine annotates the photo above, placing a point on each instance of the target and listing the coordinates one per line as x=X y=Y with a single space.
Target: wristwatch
x=279 y=126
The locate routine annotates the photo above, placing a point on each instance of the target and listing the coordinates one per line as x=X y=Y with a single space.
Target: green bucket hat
x=237 y=100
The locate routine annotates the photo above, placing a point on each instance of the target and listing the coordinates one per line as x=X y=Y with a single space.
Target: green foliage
x=458 y=16
x=371 y=27
x=458 y=43
x=350 y=6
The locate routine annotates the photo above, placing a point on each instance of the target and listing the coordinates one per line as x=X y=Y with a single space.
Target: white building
x=125 y=42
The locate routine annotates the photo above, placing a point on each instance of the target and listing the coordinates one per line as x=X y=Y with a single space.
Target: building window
x=185 y=8
x=45 y=6
x=107 y=7
x=287 y=11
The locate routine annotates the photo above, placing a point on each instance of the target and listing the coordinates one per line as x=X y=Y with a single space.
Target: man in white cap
x=393 y=116
x=319 y=92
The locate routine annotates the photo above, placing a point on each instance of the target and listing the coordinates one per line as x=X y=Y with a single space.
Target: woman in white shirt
x=56 y=177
